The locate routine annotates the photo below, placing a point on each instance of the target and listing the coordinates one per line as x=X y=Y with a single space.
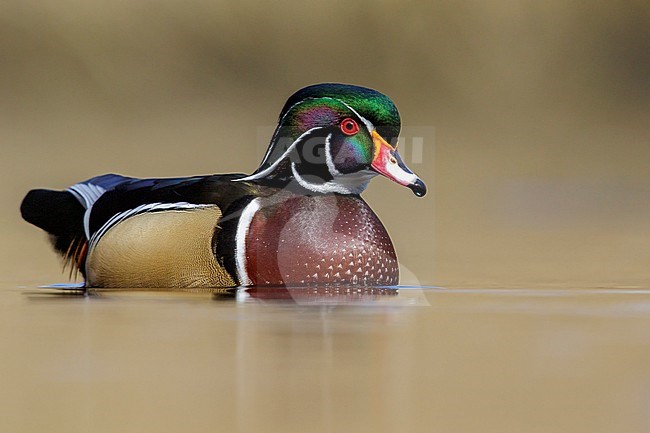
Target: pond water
x=417 y=359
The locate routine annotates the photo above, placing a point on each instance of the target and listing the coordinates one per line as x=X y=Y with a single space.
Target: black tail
x=61 y=215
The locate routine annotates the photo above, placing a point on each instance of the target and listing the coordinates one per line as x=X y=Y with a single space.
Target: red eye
x=349 y=126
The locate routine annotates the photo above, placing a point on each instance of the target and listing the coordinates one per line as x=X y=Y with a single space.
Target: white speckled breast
x=328 y=239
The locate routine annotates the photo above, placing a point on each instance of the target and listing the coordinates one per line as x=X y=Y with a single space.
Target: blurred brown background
x=538 y=169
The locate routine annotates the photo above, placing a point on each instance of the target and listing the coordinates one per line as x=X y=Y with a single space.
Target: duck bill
x=387 y=162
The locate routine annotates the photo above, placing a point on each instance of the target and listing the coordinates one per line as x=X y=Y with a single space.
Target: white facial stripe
x=280 y=121
x=365 y=121
x=273 y=166
x=268 y=149
x=240 y=240
x=329 y=158
x=277 y=129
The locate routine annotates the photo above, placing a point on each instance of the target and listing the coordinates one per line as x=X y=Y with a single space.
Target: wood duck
x=298 y=220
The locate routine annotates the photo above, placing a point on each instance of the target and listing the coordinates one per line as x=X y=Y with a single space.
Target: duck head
x=334 y=138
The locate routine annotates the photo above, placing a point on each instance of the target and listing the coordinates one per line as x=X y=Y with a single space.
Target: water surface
x=378 y=360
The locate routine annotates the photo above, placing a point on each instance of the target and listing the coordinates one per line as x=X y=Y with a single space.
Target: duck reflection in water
x=307 y=295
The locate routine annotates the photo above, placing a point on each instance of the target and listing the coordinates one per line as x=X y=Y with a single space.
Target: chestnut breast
x=329 y=239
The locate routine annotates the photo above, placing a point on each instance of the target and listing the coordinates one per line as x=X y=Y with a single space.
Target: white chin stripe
x=343 y=184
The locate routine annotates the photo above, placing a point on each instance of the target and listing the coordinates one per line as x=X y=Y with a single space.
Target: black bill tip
x=418 y=188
